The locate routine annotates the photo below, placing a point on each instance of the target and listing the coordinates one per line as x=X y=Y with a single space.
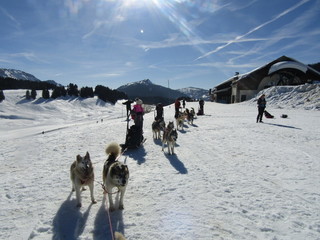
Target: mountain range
x=144 y=89
x=21 y=75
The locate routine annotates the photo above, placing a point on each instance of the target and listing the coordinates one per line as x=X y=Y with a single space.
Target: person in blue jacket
x=261 y=107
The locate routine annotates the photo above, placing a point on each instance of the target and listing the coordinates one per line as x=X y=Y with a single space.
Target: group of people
x=177 y=106
x=138 y=111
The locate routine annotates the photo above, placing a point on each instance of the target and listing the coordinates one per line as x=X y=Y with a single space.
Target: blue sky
x=179 y=43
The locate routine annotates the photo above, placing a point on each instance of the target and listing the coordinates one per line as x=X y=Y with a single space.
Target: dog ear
x=79 y=158
x=87 y=155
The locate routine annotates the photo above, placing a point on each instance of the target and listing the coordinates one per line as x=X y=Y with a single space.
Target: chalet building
x=280 y=72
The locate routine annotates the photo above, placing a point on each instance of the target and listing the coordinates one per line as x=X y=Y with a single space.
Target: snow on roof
x=288 y=64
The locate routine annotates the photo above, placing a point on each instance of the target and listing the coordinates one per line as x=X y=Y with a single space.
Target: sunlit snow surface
x=231 y=178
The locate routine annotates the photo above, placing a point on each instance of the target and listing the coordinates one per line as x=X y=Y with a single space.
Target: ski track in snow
x=231 y=178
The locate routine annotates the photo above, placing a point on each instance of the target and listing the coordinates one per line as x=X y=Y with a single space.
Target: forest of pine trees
x=104 y=93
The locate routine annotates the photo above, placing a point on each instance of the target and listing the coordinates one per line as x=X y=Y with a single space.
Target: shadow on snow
x=102 y=229
x=285 y=126
x=69 y=222
x=176 y=163
x=138 y=154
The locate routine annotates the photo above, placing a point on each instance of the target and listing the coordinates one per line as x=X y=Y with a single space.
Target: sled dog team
x=115 y=174
x=169 y=134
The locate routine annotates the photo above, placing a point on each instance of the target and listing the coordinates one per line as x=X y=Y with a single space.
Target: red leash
x=110 y=223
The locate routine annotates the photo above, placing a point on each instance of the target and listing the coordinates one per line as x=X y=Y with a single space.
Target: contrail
x=253 y=30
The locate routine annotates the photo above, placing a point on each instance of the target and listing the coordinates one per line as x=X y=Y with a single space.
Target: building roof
x=257 y=74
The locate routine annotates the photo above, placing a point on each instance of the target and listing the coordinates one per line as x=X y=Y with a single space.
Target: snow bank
x=302 y=97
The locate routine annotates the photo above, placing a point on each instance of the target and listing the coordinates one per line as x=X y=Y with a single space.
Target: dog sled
x=134 y=137
x=267 y=114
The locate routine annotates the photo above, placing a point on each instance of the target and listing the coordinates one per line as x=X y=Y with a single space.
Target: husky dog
x=180 y=120
x=81 y=174
x=115 y=174
x=157 y=127
x=193 y=112
x=170 y=136
x=190 y=116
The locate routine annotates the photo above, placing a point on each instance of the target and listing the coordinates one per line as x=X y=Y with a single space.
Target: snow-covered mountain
x=17 y=74
x=21 y=75
x=195 y=93
x=150 y=92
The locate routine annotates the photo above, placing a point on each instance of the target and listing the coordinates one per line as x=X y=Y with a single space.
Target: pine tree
x=2 y=97
x=45 y=94
x=28 y=96
x=33 y=94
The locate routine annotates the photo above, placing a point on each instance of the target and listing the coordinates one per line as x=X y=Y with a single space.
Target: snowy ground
x=231 y=178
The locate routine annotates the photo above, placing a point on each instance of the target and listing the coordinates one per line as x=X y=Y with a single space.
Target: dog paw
x=79 y=205
x=94 y=201
x=121 y=207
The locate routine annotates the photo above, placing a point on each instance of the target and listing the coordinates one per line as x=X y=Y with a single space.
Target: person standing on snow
x=159 y=110
x=177 y=107
x=261 y=107
x=201 y=110
x=128 y=107
x=138 y=112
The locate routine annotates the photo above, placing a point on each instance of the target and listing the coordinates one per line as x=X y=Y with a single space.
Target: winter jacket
x=261 y=102
x=138 y=109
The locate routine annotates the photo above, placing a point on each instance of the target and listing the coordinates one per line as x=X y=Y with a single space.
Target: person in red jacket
x=177 y=107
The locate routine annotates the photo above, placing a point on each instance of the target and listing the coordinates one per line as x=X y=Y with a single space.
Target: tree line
x=104 y=93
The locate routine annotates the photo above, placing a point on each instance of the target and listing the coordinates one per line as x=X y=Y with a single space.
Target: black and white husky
x=81 y=174
x=158 y=126
x=115 y=174
x=170 y=137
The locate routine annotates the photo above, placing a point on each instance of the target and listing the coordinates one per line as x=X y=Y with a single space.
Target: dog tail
x=113 y=149
x=119 y=236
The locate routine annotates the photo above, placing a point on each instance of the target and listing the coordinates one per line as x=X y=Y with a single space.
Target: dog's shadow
x=69 y=222
x=138 y=154
x=102 y=229
x=176 y=163
x=157 y=141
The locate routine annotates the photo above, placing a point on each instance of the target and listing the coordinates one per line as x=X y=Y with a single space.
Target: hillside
x=303 y=96
x=195 y=93
x=150 y=93
x=17 y=74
